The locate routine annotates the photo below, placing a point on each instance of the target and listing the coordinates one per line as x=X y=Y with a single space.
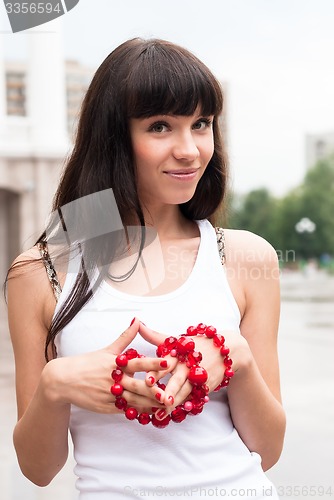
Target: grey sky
x=276 y=57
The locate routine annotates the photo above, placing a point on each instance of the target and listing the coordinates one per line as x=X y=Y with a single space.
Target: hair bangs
x=166 y=80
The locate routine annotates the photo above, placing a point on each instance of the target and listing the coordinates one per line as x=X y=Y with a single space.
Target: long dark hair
x=140 y=78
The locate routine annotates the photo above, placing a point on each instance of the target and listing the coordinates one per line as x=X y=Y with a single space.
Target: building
x=77 y=80
x=318 y=146
x=38 y=109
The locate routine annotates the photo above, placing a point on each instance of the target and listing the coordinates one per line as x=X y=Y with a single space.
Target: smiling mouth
x=182 y=174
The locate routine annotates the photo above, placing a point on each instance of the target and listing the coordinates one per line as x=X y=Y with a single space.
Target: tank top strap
x=50 y=270
x=221 y=243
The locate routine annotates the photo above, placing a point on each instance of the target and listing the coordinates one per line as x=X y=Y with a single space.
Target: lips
x=181 y=172
x=182 y=175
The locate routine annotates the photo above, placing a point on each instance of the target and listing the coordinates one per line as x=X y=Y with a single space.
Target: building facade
x=39 y=103
x=318 y=147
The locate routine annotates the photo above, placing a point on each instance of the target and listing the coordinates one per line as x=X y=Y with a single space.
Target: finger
x=154 y=376
x=147 y=364
x=150 y=335
x=141 y=403
x=183 y=394
x=125 y=338
x=175 y=384
x=180 y=398
x=136 y=387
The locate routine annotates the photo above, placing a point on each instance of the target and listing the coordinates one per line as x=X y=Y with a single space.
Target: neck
x=169 y=222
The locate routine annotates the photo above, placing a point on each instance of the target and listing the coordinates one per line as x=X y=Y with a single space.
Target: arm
x=46 y=391
x=40 y=436
x=254 y=392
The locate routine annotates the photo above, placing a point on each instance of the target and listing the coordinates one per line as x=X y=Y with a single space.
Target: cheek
x=140 y=153
x=208 y=150
x=146 y=154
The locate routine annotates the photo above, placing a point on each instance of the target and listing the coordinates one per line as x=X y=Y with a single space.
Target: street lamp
x=305 y=225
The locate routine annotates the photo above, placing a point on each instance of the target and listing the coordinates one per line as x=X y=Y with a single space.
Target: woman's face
x=171 y=154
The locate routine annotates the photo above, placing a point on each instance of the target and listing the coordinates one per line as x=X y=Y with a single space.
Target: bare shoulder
x=251 y=265
x=249 y=249
x=29 y=289
x=31 y=306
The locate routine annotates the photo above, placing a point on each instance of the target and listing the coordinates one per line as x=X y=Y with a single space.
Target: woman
x=131 y=244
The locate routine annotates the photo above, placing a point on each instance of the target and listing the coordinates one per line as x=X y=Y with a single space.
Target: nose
x=185 y=147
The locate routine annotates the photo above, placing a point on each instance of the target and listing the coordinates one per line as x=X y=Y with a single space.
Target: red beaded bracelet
x=184 y=349
x=219 y=342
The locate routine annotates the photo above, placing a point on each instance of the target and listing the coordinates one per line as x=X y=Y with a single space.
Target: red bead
x=121 y=360
x=198 y=408
x=117 y=375
x=224 y=351
x=188 y=405
x=131 y=354
x=162 y=351
x=227 y=361
x=121 y=403
x=178 y=414
x=210 y=331
x=182 y=358
x=116 y=389
x=197 y=375
x=170 y=342
x=229 y=373
x=194 y=358
x=185 y=345
x=191 y=330
x=131 y=413
x=160 y=424
x=201 y=327
x=198 y=392
x=218 y=340
x=144 y=418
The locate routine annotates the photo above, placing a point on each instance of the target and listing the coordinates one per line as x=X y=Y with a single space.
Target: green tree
x=313 y=199
x=256 y=212
x=318 y=205
x=276 y=219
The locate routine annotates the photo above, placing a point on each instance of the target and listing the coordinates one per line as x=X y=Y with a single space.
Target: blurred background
x=275 y=63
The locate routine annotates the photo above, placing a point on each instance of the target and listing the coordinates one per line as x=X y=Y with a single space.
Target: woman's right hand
x=85 y=380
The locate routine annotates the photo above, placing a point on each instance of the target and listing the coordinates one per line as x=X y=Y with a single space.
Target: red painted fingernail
x=171 y=399
x=151 y=380
x=134 y=319
x=161 y=414
x=158 y=396
x=163 y=364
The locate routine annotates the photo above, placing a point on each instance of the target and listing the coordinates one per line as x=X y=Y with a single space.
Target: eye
x=158 y=127
x=202 y=124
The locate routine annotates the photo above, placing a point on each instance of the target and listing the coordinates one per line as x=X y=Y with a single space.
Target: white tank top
x=199 y=458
